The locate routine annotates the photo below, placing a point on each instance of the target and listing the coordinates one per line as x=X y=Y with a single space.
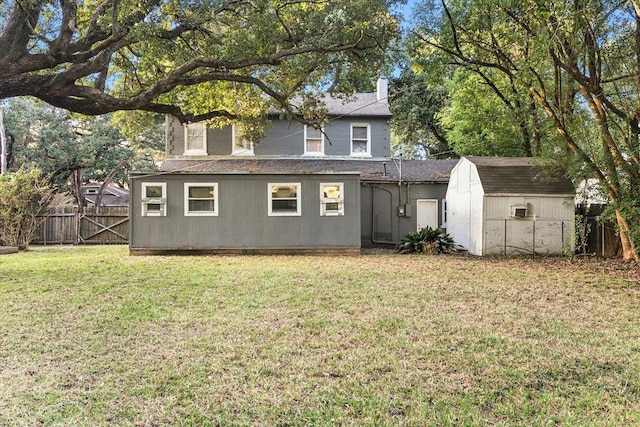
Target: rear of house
x=245 y=213
x=404 y=197
x=358 y=129
x=346 y=190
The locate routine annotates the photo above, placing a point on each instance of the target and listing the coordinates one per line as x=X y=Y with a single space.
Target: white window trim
x=195 y=151
x=239 y=151
x=325 y=200
x=368 y=153
x=314 y=153
x=298 y=199
x=146 y=201
x=216 y=196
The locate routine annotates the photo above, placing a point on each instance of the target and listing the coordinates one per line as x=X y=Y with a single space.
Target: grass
x=92 y=336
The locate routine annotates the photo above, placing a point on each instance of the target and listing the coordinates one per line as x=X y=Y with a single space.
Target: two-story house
x=298 y=190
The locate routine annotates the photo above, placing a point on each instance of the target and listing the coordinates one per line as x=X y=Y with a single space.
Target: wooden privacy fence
x=71 y=225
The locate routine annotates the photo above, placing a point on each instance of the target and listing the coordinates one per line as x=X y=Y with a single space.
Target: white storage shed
x=505 y=205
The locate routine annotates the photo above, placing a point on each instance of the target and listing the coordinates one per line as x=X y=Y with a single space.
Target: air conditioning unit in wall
x=518 y=211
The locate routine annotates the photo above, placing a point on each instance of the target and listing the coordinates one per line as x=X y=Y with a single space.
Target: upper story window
x=195 y=139
x=360 y=140
x=154 y=199
x=332 y=199
x=313 y=141
x=284 y=199
x=241 y=145
x=201 y=199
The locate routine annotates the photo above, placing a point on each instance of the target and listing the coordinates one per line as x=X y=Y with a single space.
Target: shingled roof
x=518 y=175
x=433 y=171
x=359 y=104
x=354 y=105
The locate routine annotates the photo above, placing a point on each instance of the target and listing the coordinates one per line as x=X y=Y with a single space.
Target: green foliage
x=629 y=208
x=196 y=60
x=582 y=232
x=415 y=123
x=59 y=142
x=23 y=195
x=562 y=75
x=426 y=240
x=478 y=122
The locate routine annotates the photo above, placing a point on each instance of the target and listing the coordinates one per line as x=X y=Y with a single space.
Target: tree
x=479 y=122
x=23 y=195
x=72 y=148
x=416 y=106
x=578 y=61
x=194 y=60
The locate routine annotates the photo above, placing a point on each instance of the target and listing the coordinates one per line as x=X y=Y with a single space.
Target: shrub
x=428 y=241
x=23 y=195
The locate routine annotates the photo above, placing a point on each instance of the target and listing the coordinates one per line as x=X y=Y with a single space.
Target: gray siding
x=173 y=131
x=243 y=221
x=286 y=138
x=219 y=141
x=380 y=221
x=339 y=134
x=282 y=138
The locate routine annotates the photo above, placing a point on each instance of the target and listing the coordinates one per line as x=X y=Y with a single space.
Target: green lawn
x=91 y=336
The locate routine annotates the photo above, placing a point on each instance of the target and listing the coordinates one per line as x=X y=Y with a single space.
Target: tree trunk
x=76 y=179
x=3 y=146
x=107 y=181
x=629 y=252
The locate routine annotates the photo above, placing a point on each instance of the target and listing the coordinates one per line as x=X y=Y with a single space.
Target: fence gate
x=103 y=225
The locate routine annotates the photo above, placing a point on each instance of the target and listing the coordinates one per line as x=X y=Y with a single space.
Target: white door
x=427 y=213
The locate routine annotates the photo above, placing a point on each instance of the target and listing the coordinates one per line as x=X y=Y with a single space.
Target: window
x=154 y=199
x=241 y=146
x=332 y=199
x=284 y=199
x=360 y=140
x=195 y=139
x=313 y=141
x=201 y=199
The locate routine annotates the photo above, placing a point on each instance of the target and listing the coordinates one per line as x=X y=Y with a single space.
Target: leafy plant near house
x=23 y=195
x=428 y=241
x=583 y=229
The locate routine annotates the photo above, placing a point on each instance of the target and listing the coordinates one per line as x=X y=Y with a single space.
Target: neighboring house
x=298 y=189
x=498 y=205
x=111 y=195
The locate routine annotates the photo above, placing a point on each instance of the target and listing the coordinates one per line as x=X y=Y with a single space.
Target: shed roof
x=518 y=175
x=434 y=171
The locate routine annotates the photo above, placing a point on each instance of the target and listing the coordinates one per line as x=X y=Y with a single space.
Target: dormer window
x=241 y=145
x=313 y=141
x=195 y=139
x=360 y=140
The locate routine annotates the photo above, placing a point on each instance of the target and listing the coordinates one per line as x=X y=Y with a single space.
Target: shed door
x=427 y=213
